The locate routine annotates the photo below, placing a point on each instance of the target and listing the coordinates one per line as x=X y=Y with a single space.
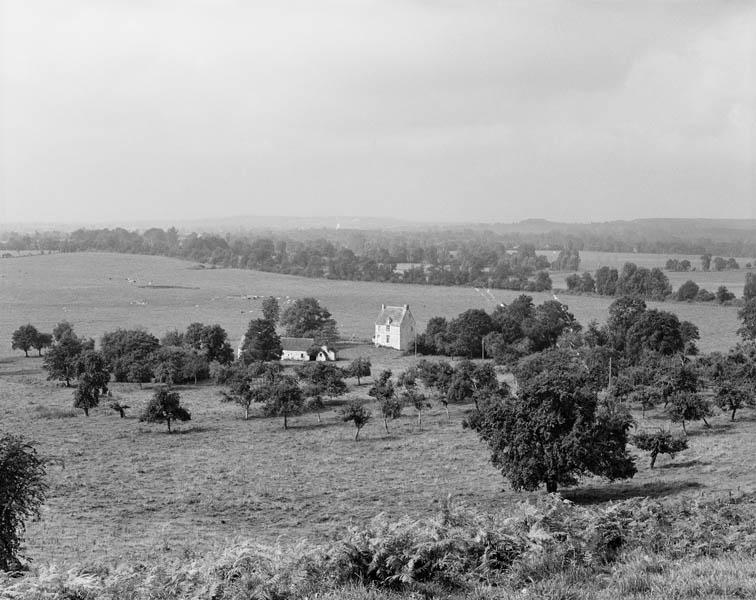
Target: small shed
x=296 y=348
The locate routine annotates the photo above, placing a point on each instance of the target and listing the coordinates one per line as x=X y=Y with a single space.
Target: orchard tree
x=271 y=310
x=660 y=442
x=282 y=399
x=314 y=403
x=412 y=397
x=553 y=431
x=62 y=329
x=385 y=394
x=655 y=331
x=688 y=406
x=164 y=407
x=22 y=492
x=359 y=367
x=749 y=289
x=326 y=377
x=731 y=397
x=93 y=377
x=24 y=338
x=724 y=295
x=61 y=361
x=261 y=343
x=357 y=414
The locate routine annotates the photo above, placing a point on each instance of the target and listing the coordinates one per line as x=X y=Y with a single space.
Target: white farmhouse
x=395 y=328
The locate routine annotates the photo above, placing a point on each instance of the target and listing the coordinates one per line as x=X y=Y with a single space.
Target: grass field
x=92 y=291
x=121 y=489
x=124 y=490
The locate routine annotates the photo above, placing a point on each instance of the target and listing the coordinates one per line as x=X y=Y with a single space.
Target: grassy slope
x=125 y=489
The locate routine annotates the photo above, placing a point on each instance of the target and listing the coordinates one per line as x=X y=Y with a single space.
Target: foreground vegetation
x=549 y=548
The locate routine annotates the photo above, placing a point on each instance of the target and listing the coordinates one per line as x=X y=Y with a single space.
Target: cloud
x=491 y=110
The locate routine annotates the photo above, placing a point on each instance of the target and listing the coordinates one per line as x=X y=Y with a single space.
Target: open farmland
x=123 y=490
x=100 y=292
x=711 y=280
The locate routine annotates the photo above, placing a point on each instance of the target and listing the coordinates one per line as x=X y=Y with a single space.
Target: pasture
x=120 y=489
x=100 y=292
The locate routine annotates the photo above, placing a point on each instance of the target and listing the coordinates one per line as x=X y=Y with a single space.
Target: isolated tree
x=271 y=310
x=553 y=431
x=358 y=414
x=687 y=291
x=165 y=406
x=306 y=318
x=359 y=367
x=119 y=407
x=659 y=442
x=24 y=338
x=93 y=377
x=688 y=406
x=385 y=394
x=283 y=399
x=315 y=404
x=22 y=492
x=747 y=315
x=261 y=343
x=732 y=397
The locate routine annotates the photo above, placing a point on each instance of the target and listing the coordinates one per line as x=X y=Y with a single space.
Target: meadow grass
x=92 y=291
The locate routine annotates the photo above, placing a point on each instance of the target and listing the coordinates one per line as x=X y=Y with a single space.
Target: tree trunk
x=551 y=486
x=319 y=421
x=246 y=413
x=357 y=435
x=446 y=408
x=685 y=431
x=732 y=417
x=169 y=424
x=26 y=352
x=654 y=454
x=86 y=411
x=39 y=350
x=385 y=424
x=286 y=421
x=706 y=423
x=358 y=380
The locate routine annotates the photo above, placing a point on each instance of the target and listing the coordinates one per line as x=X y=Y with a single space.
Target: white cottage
x=296 y=348
x=395 y=328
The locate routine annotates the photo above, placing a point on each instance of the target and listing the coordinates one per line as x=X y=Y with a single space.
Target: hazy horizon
x=431 y=112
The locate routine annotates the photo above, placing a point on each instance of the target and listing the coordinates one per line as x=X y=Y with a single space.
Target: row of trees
x=707 y=264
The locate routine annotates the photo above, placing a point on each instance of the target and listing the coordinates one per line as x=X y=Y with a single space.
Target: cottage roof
x=297 y=344
x=393 y=315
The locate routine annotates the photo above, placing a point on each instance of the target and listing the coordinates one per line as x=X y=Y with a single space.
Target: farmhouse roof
x=297 y=344
x=393 y=315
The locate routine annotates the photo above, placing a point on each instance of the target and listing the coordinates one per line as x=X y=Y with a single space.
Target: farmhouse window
x=388 y=338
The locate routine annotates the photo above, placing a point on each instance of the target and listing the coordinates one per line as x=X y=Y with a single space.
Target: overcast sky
x=418 y=109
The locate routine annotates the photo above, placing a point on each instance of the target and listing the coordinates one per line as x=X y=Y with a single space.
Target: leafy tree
x=326 y=377
x=549 y=321
x=606 y=281
x=623 y=313
x=724 y=295
x=124 y=347
x=209 y=340
x=747 y=314
x=314 y=403
x=195 y=367
x=22 y=492
x=660 y=442
x=688 y=406
x=306 y=318
x=193 y=337
x=412 y=397
x=43 y=340
x=706 y=261
x=172 y=338
x=170 y=365
x=359 y=367
x=553 y=431
x=358 y=414
x=61 y=361
x=732 y=397
x=270 y=309
x=383 y=391
x=655 y=331
x=165 y=406
x=687 y=291
x=469 y=381
x=62 y=329
x=24 y=338
x=261 y=343
x=283 y=398
x=93 y=376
